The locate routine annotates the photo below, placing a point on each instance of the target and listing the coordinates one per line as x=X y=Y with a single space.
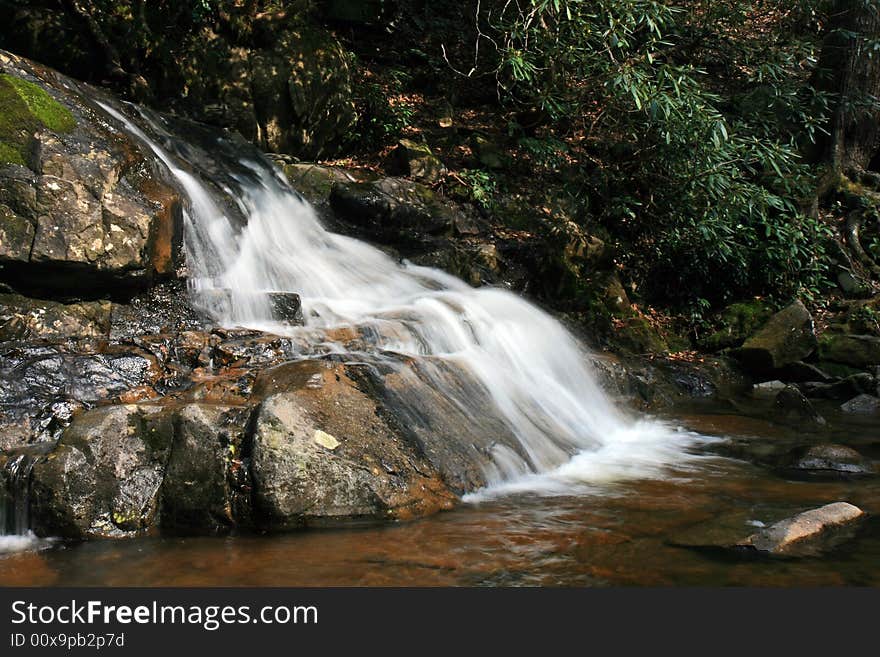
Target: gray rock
x=81 y=212
x=768 y=389
x=394 y=210
x=795 y=409
x=104 y=477
x=862 y=405
x=805 y=533
x=787 y=337
x=415 y=160
x=860 y=351
x=205 y=487
x=854 y=384
x=828 y=459
x=323 y=453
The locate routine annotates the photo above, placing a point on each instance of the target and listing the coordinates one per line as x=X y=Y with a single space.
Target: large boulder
x=104 y=477
x=791 y=407
x=860 y=351
x=205 y=487
x=787 y=337
x=862 y=405
x=81 y=212
x=394 y=210
x=323 y=452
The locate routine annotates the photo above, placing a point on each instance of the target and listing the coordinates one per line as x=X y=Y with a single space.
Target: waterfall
x=534 y=372
x=15 y=479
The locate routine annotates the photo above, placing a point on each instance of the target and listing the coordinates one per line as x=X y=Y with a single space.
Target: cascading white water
x=534 y=371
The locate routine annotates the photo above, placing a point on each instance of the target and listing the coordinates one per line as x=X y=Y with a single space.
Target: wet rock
x=800 y=372
x=43 y=386
x=104 y=477
x=218 y=304
x=827 y=459
x=807 y=533
x=787 y=337
x=205 y=487
x=768 y=389
x=862 y=405
x=416 y=161
x=97 y=218
x=286 y=307
x=393 y=209
x=324 y=453
x=164 y=308
x=860 y=351
x=794 y=409
x=22 y=318
x=846 y=389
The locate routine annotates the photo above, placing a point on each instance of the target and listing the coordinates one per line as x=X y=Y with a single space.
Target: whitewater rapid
x=535 y=372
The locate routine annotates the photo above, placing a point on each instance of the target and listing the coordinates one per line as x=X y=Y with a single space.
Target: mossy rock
x=858 y=351
x=25 y=108
x=736 y=323
x=637 y=336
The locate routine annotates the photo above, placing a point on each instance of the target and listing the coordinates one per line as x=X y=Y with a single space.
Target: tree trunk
x=849 y=67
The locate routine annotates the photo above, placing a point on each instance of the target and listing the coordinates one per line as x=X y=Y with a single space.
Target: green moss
x=46 y=109
x=637 y=336
x=25 y=107
x=10 y=154
x=736 y=323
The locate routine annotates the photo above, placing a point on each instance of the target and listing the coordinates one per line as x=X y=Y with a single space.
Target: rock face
x=80 y=210
x=787 y=337
x=805 y=532
x=22 y=318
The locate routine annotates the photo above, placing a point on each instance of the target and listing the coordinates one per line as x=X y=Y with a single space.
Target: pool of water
x=638 y=533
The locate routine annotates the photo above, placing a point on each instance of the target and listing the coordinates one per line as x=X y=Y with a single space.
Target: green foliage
x=383 y=111
x=695 y=126
x=482 y=187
